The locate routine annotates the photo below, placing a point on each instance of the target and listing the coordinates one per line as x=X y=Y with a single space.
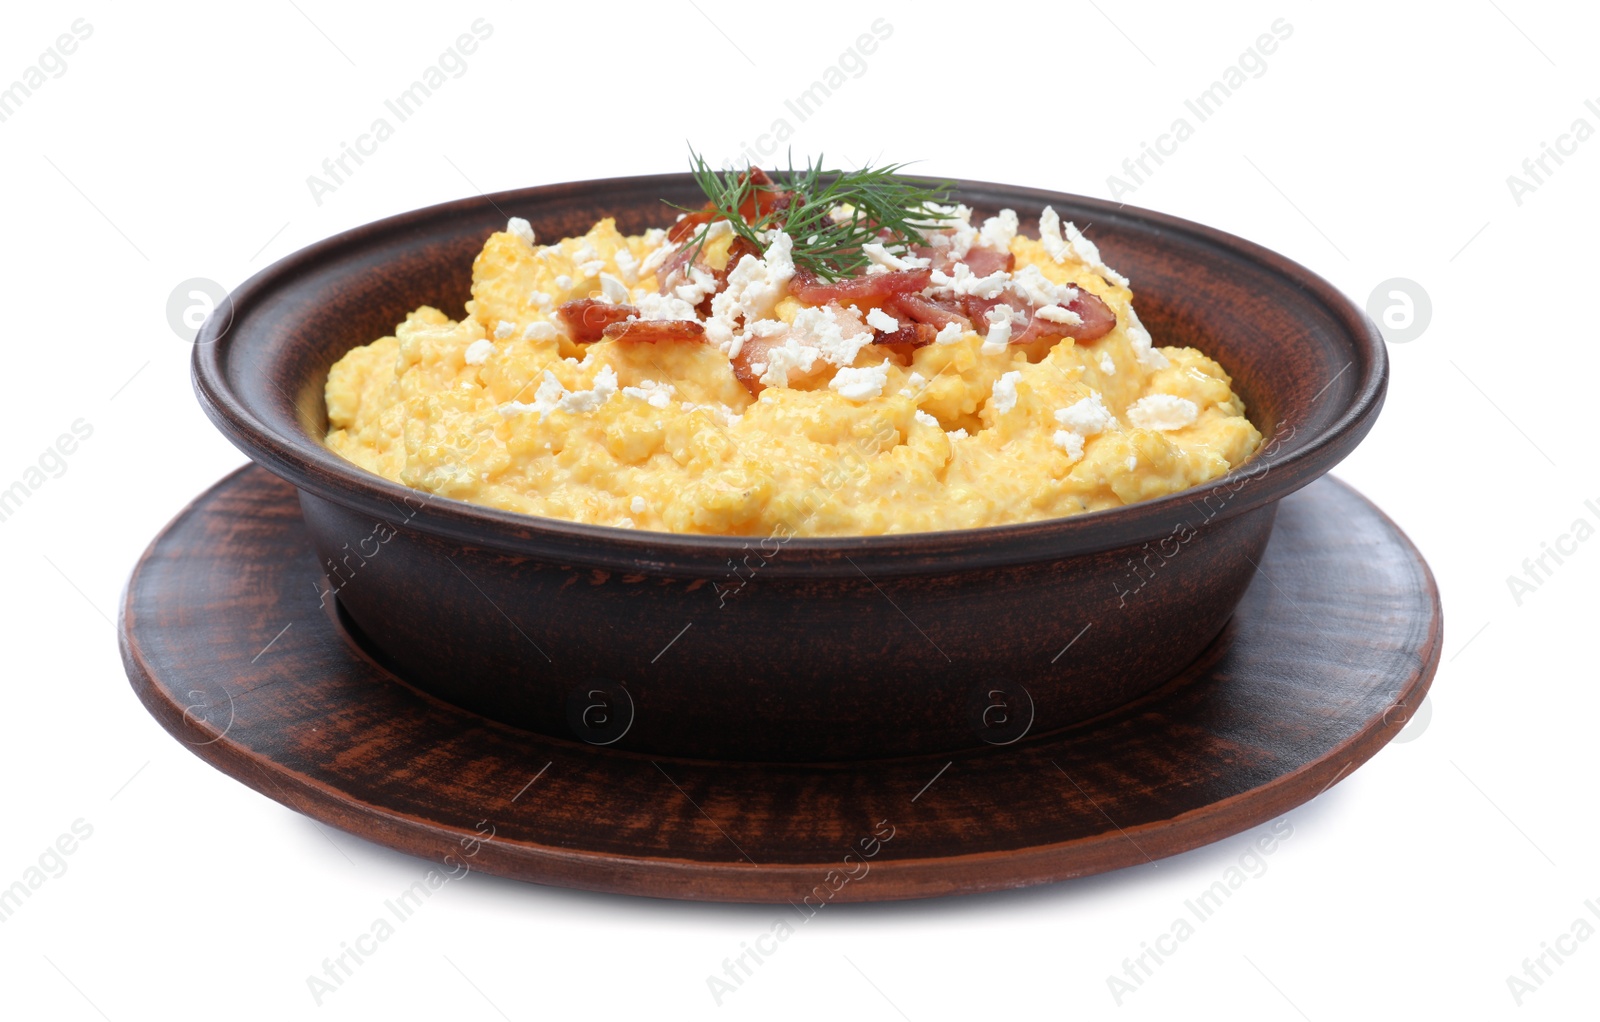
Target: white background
x=1377 y=144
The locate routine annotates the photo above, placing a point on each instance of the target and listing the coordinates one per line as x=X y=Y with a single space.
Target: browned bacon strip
x=763 y=199
x=587 y=318
x=655 y=331
x=936 y=312
x=981 y=261
x=910 y=335
x=1098 y=320
x=977 y=309
x=753 y=353
x=869 y=287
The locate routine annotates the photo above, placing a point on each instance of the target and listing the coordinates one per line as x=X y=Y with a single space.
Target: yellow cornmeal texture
x=802 y=460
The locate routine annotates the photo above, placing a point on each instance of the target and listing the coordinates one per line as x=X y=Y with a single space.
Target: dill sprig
x=882 y=204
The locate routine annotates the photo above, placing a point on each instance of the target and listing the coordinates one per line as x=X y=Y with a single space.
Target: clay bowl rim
x=305 y=461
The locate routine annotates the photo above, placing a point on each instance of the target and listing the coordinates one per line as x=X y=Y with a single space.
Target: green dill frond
x=876 y=200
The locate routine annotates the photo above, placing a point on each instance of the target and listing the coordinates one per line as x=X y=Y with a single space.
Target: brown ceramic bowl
x=814 y=649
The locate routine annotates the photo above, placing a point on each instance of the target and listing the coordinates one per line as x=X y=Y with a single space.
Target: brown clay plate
x=229 y=645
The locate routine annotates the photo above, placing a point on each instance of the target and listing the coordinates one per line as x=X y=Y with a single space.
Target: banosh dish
x=807 y=648
x=810 y=354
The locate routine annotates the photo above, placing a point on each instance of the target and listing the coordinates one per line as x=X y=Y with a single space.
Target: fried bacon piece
x=655 y=331
x=763 y=199
x=981 y=261
x=907 y=339
x=910 y=335
x=872 y=287
x=977 y=309
x=972 y=311
x=753 y=353
x=1098 y=320
x=936 y=312
x=587 y=318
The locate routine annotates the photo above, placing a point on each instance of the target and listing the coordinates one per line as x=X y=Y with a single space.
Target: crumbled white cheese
x=1107 y=366
x=552 y=395
x=861 y=384
x=999 y=335
x=541 y=299
x=1089 y=254
x=626 y=523
x=591 y=267
x=879 y=256
x=478 y=351
x=957 y=434
x=998 y=231
x=503 y=329
x=820 y=328
x=520 y=228
x=627 y=265
x=953 y=230
x=754 y=288
x=924 y=418
x=1050 y=235
x=657 y=256
x=790 y=356
x=1056 y=314
x=1004 y=396
x=614 y=290
x=1162 y=411
x=880 y=320
x=656 y=395
x=1041 y=290
x=1070 y=442
x=539 y=330
x=657 y=306
x=1149 y=356
x=563 y=282
x=1087 y=416
x=915 y=384
x=585 y=252
x=1133 y=462
x=735 y=343
x=637 y=506
x=950 y=333
x=962 y=281
x=699 y=285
